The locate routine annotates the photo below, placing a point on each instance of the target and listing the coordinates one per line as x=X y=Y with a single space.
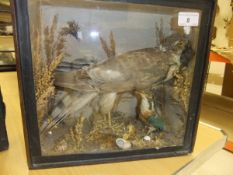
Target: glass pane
x=111 y=76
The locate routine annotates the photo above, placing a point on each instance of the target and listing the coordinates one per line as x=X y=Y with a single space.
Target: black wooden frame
x=28 y=103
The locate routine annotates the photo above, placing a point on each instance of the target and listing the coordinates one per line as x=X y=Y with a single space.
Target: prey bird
x=133 y=71
x=148 y=114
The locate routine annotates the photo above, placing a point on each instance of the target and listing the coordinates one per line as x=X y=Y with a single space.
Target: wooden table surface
x=13 y=161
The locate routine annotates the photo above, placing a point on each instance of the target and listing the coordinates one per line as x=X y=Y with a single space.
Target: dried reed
x=109 y=51
x=160 y=36
x=47 y=53
x=76 y=133
x=182 y=86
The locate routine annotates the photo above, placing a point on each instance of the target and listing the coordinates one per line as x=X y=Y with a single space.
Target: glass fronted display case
x=109 y=81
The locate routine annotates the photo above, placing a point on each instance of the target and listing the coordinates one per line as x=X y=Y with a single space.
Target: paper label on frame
x=188 y=19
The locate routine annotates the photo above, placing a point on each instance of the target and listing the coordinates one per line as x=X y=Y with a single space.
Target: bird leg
x=117 y=101
x=106 y=105
x=109 y=119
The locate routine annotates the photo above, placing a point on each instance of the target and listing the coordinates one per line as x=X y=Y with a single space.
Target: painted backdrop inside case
x=110 y=76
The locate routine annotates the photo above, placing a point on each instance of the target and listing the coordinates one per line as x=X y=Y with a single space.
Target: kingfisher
x=147 y=112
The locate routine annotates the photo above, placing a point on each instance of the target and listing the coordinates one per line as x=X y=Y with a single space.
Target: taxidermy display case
x=105 y=81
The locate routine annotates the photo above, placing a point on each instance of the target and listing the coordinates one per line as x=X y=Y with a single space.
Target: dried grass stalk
x=76 y=133
x=105 y=46
x=45 y=64
x=160 y=36
x=112 y=44
x=182 y=85
x=109 y=51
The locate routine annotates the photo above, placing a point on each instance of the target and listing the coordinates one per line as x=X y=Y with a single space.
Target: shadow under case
x=105 y=81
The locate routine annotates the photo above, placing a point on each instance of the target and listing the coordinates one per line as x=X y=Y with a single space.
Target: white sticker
x=188 y=19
